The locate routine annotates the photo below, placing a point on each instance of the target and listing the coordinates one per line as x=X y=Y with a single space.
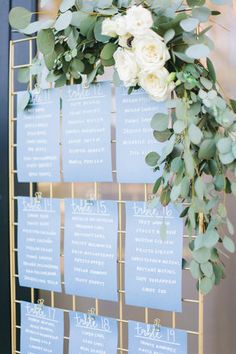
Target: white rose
x=156 y=84
x=138 y=20
x=126 y=66
x=109 y=28
x=120 y=25
x=150 y=51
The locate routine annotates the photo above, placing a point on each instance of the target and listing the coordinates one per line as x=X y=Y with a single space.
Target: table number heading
x=86 y=135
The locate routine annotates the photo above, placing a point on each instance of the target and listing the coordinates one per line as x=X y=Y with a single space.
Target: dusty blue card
x=92 y=334
x=38 y=138
x=153 y=268
x=91 y=248
x=135 y=135
x=42 y=329
x=38 y=239
x=146 y=338
x=87 y=133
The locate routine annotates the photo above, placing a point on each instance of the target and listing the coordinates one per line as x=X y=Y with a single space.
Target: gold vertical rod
x=11 y=198
x=31 y=184
x=120 y=271
x=52 y=292
x=146 y=199
x=73 y=197
x=201 y=302
x=96 y=197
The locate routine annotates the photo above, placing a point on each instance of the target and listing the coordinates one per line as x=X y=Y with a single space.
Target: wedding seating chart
x=91 y=248
x=146 y=338
x=135 y=135
x=92 y=334
x=87 y=133
x=39 y=243
x=38 y=138
x=42 y=329
x=153 y=271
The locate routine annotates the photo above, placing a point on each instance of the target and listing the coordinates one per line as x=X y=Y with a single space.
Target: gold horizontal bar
x=23 y=40
x=21 y=66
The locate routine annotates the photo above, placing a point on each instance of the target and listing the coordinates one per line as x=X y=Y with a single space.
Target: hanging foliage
x=161 y=46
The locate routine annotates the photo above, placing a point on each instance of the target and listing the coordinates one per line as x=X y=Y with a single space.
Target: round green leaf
x=205 y=285
x=19 y=17
x=197 y=51
x=195 y=269
x=77 y=65
x=202 y=13
x=152 y=159
x=195 y=134
x=46 y=41
x=66 y=5
x=224 y=145
x=210 y=238
x=229 y=244
x=175 y=192
x=179 y=126
x=202 y=255
x=207 y=269
x=63 y=21
x=162 y=136
x=160 y=122
x=108 y=51
x=226 y=159
x=98 y=32
x=207 y=149
x=189 y=24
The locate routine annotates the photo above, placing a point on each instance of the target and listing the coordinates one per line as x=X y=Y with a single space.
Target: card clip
x=38 y=195
x=85 y=83
x=36 y=90
x=157 y=324
x=40 y=303
x=91 y=314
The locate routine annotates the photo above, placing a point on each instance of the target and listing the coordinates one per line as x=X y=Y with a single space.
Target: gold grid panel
x=193 y=310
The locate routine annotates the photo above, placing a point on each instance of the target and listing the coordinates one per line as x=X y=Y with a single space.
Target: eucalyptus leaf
x=207 y=269
x=195 y=269
x=23 y=101
x=229 y=244
x=202 y=255
x=19 y=17
x=152 y=159
x=63 y=21
x=46 y=41
x=160 y=122
x=206 y=285
x=198 y=51
x=66 y=5
x=195 y=134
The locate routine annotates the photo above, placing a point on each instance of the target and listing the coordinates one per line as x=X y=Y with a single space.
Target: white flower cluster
x=142 y=55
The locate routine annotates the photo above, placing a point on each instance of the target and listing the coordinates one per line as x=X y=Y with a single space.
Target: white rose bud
x=126 y=66
x=138 y=20
x=156 y=84
x=150 y=51
x=109 y=28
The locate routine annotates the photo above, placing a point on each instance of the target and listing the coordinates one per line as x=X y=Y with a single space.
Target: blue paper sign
x=91 y=248
x=42 y=329
x=92 y=334
x=38 y=138
x=147 y=338
x=39 y=243
x=87 y=133
x=153 y=270
x=135 y=135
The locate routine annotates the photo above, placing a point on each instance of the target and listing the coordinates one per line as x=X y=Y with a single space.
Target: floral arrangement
x=161 y=46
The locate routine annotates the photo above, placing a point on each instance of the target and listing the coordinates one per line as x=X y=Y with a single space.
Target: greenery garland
x=200 y=143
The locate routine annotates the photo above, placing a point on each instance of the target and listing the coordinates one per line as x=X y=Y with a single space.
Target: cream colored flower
x=138 y=20
x=156 y=84
x=126 y=66
x=109 y=28
x=150 y=51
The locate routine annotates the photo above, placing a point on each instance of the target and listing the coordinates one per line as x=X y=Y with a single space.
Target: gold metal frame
x=121 y=233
